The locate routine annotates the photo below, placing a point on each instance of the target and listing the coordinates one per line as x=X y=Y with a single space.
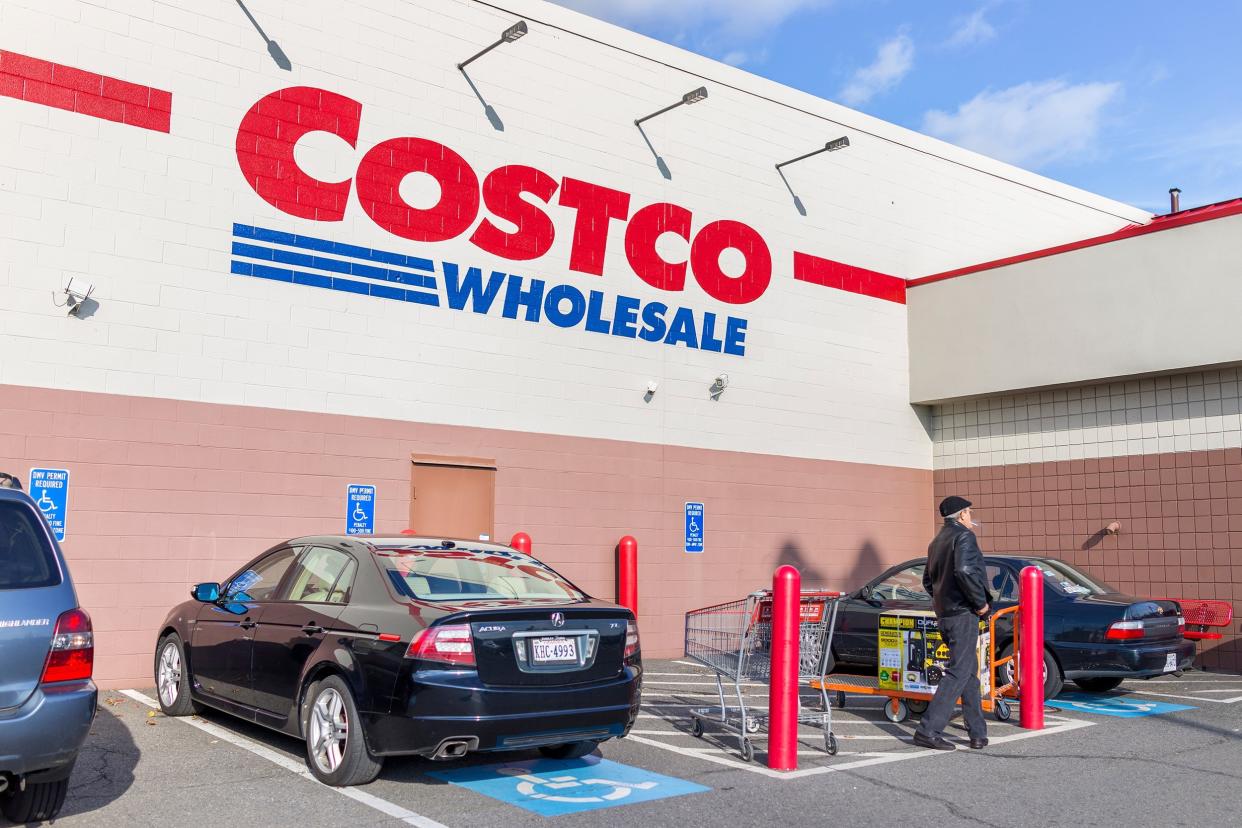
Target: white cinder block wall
x=147 y=217
x=1198 y=411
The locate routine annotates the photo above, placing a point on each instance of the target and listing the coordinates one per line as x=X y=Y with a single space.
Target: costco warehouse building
x=335 y=258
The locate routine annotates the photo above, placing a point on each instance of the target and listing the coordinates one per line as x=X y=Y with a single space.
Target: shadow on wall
x=791 y=554
x=867 y=565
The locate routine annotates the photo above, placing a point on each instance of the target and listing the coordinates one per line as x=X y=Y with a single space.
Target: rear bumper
x=1120 y=660
x=44 y=735
x=456 y=705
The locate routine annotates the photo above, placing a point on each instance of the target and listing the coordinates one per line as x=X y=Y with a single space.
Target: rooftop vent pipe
x=1175 y=204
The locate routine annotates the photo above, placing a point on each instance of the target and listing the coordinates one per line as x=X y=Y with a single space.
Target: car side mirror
x=207 y=593
x=864 y=593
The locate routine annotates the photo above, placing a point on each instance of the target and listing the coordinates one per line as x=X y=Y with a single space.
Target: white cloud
x=736 y=17
x=972 y=30
x=893 y=60
x=1030 y=124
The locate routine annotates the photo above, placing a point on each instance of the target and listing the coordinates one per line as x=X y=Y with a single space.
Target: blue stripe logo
x=306 y=260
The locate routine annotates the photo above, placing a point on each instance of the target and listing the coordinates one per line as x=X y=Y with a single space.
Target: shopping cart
x=735 y=640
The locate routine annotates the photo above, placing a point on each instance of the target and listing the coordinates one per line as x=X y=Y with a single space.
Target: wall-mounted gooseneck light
x=515 y=32
x=691 y=97
x=832 y=146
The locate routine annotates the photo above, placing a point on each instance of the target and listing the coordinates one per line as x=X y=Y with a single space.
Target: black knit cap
x=952 y=505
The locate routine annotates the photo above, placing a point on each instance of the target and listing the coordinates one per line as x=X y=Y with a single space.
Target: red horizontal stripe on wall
x=76 y=90
x=817 y=271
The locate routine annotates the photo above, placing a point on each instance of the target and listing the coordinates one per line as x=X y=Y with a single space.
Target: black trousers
x=961 y=678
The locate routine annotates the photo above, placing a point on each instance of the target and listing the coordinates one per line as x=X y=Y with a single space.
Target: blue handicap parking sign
x=694 y=527
x=359 y=510
x=552 y=787
x=50 y=490
x=1126 y=707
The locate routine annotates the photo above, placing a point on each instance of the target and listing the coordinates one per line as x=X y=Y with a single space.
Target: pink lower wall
x=165 y=493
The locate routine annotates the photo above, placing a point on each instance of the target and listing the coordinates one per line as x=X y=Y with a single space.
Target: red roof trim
x=1208 y=212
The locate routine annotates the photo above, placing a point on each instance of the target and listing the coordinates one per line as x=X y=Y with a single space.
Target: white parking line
x=1062 y=726
x=1178 y=696
x=370 y=800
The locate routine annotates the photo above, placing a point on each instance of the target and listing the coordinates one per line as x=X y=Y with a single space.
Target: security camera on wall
x=77 y=292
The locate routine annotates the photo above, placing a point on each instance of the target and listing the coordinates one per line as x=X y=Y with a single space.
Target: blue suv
x=47 y=653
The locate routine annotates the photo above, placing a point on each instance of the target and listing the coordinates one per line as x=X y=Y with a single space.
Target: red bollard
x=1031 y=649
x=627 y=574
x=521 y=542
x=783 y=689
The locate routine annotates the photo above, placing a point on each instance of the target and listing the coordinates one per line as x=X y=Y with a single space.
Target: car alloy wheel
x=329 y=730
x=169 y=673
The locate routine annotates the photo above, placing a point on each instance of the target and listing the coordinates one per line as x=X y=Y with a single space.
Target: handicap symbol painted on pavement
x=553 y=787
x=1126 y=707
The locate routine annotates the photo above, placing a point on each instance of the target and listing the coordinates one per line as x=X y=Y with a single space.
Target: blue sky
x=1123 y=99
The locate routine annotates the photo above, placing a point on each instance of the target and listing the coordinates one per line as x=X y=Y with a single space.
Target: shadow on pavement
x=105 y=766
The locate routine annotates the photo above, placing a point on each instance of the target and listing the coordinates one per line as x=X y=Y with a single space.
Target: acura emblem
x=558 y=619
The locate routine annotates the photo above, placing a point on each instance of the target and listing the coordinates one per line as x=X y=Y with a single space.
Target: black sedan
x=369 y=647
x=1093 y=634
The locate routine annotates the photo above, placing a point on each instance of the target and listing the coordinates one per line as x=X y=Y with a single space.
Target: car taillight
x=1181 y=625
x=1125 y=630
x=72 y=657
x=631 y=640
x=451 y=644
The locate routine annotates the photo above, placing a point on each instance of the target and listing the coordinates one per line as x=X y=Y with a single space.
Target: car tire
x=570 y=750
x=336 y=749
x=1098 y=685
x=172 y=678
x=1054 y=679
x=39 y=802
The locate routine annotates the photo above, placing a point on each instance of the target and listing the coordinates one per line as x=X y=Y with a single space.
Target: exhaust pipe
x=1175 y=201
x=455 y=748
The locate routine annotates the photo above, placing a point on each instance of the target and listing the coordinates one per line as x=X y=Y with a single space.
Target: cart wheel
x=830 y=744
x=748 y=750
x=896 y=711
x=917 y=706
x=840 y=699
x=696 y=728
x=752 y=725
x=1002 y=710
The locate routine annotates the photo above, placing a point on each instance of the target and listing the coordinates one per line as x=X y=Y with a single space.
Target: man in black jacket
x=955 y=579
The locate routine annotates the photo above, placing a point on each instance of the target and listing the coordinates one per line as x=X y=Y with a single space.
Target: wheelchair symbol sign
x=359 y=509
x=1121 y=706
x=49 y=488
x=554 y=787
x=695 y=520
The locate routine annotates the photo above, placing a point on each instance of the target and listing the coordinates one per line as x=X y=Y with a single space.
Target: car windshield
x=455 y=575
x=1069 y=580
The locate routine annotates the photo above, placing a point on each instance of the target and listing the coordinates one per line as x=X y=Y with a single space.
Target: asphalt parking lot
x=1162 y=752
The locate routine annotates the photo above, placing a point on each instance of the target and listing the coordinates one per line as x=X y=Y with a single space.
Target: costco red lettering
x=269 y=131
x=641 y=235
x=597 y=206
x=713 y=240
x=379 y=189
x=502 y=193
x=265 y=141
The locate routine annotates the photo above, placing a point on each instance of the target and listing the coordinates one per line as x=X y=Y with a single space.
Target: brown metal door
x=453 y=497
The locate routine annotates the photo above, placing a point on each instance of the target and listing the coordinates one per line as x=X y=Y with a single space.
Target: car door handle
x=312 y=629
x=248 y=624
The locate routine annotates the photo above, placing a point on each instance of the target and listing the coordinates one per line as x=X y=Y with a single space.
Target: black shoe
x=979 y=744
x=935 y=744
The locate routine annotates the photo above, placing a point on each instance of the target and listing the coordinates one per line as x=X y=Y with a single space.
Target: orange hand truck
x=901 y=703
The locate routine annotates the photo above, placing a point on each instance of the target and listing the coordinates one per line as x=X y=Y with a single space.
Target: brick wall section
x=1180 y=514
x=164 y=494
